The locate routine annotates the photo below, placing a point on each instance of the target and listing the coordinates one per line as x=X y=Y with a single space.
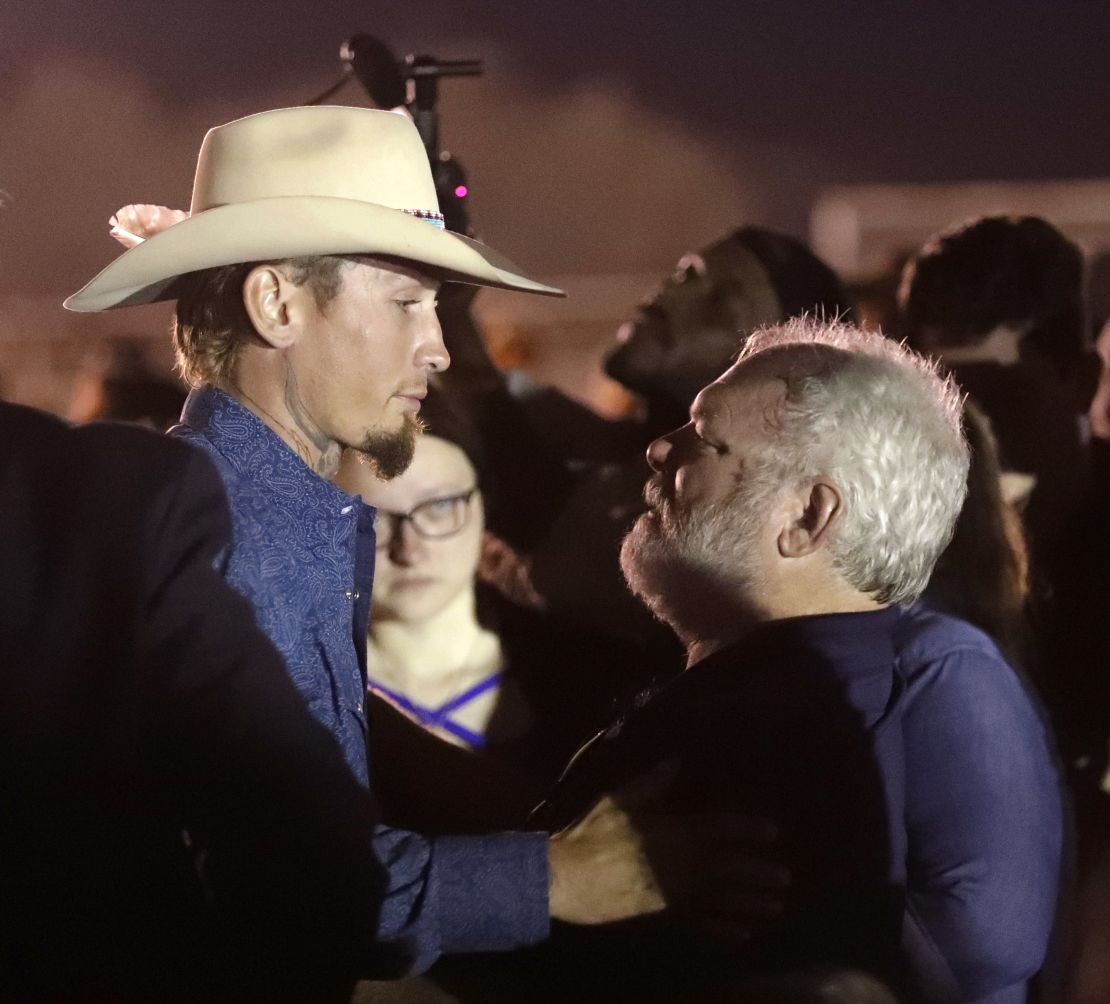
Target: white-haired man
x=306 y=277
x=809 y=496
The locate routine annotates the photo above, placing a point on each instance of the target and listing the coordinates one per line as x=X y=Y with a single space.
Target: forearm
x=453 y=895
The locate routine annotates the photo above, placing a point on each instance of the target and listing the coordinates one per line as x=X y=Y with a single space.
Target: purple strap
x=438 y=717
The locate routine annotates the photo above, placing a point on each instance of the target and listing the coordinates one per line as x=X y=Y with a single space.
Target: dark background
x=604 y=137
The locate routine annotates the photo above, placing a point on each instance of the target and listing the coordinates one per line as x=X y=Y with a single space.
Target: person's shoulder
x=139 y=457
x=125 y=439
x=197 y=440
x=923 y=632
x=240 y=488
x=936 y=649
x=110 y=455
x=27 y=431
x=106 y=486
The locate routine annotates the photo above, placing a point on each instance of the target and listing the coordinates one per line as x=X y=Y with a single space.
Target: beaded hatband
x=429 y=216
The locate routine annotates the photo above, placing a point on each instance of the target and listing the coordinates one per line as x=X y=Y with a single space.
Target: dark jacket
x=797 y=724
x=174 y=824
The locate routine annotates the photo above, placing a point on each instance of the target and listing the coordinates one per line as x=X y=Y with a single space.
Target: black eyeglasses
x=433 y=519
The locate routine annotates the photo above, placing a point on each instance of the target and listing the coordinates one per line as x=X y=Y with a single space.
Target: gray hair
x=882 y=423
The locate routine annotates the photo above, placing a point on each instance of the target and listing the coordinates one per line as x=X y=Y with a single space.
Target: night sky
x=603 y=137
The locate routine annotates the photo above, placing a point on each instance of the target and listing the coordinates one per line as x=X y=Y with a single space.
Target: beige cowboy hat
x=304 y=181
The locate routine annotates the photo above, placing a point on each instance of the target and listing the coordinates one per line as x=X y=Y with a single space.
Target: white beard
x=689 y=571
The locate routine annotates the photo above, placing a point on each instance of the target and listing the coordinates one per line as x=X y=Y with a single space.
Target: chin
x=627 y=373
x=403 y=612
x=645 y=558
x=421 y=604
x=391 y=451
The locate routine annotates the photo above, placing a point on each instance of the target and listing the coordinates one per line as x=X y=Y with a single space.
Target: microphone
x=375 y=66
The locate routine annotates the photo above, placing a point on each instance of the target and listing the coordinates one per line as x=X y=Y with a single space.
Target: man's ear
x=272 y=305
x=812 y=513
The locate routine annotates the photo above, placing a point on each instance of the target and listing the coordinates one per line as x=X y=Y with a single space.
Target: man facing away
x=306 y=279
x=175 y=825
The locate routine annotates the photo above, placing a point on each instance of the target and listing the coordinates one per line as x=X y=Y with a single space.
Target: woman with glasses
x=427 y=652
x=519 y=690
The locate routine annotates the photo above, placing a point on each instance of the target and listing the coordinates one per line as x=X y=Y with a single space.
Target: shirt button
x=359 y=706
x=352 y=594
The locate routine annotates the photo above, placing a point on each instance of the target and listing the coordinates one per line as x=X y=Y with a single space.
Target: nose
x=406 y=547
x=658 y=452
x=431 y=353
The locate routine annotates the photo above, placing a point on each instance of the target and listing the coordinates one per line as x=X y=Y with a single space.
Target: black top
x=797 y=724
x=174 y=821
x=572 y=680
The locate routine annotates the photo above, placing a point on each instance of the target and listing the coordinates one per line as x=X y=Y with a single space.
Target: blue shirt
x=984 y=812
x=302 y=553
x=972 y=788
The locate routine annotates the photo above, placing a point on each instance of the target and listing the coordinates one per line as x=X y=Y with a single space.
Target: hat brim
x=292 y=227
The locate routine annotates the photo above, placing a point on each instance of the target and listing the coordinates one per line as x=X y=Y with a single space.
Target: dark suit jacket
x=173 y=823
x=797 y=724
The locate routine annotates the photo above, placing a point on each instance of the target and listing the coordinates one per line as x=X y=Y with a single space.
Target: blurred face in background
x=429 y=559
x=691 y=329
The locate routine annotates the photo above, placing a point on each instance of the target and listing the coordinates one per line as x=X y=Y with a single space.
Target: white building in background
x=861 y=230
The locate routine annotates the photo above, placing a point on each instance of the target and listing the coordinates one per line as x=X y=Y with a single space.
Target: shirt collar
x=848 y=642
x=854 y=650
x=256 y=452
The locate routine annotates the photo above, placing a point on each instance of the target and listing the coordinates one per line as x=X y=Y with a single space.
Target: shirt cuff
x=492 y=891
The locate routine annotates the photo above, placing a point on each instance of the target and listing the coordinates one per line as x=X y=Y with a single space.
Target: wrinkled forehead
x=768 y=376
x=741 y=394
x=788 y=363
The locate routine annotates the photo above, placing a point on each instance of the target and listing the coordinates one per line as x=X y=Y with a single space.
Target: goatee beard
x=390 y=453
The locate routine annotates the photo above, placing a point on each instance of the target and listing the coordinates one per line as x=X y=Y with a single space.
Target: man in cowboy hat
x=305 y=277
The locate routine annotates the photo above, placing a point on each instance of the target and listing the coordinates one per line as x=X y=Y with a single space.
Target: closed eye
x=406 y=304
x=709 y=444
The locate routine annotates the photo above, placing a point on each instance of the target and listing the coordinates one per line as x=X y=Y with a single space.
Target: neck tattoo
x=324 y=460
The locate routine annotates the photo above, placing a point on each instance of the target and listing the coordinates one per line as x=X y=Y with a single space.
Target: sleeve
x=984 y=817
x=443 y=895
x=264 y=791
x=453 y=895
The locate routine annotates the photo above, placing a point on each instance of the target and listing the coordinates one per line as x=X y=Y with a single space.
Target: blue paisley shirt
x=302 y=552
